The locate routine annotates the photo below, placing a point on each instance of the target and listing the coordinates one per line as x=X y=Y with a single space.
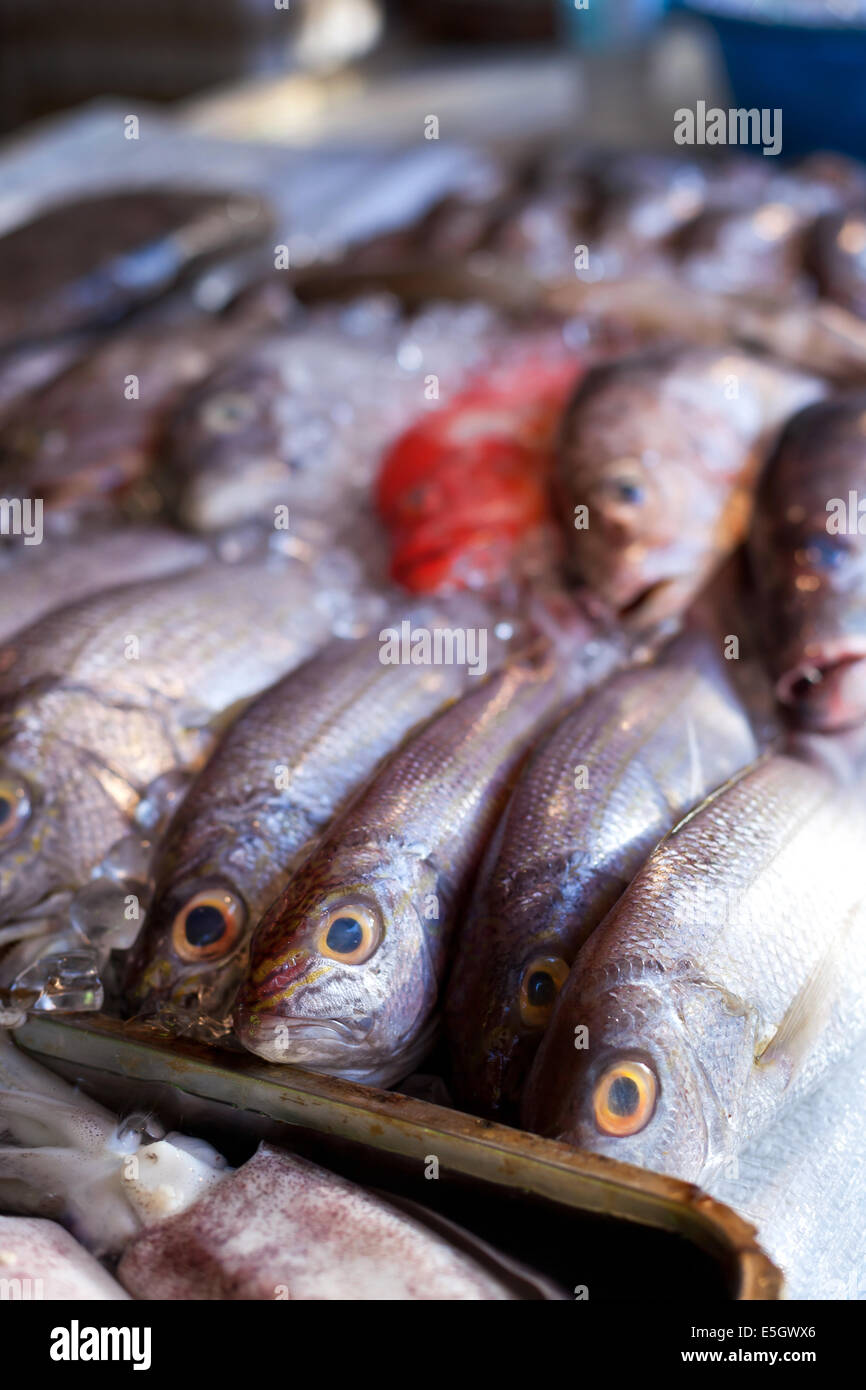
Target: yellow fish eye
x=625 y=1098
x=540 y=984
x=350 y=933
x=14 y=809
x=208 y=925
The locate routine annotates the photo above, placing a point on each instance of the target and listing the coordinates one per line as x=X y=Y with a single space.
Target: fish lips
x=321 y=1044
x=824 y=687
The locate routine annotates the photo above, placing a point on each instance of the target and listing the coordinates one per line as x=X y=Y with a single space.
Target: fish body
x=44 y=1261
x=278 y=776
x=94 y=431
x=657 y=463
x=726 y=982
x=608 y=782
x=302 y=418
x=87 y=263
x=803 y=1185
x=281 y=1227
x=808 y=552
x=753 y=250
x=346 y=966
x=36 y=579
x=100 y=698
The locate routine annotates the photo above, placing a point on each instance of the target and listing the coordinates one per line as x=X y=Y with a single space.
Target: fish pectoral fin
x=804 y=1019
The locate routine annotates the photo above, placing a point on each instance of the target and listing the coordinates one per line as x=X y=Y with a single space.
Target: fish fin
x=806 y=1014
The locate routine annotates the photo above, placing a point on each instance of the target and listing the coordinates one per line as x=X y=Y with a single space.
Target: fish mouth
x=651 y=603
x=827 y=690
x=312 y=1042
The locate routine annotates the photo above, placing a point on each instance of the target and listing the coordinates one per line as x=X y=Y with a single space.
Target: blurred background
x=503 y=71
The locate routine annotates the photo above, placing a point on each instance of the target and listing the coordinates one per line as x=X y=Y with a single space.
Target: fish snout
x=826 y=689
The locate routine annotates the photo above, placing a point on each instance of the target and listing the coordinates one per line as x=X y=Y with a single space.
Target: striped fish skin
x=35 y=580
x=391 y=876
x=610 y=780
x=279 y=775
x=726 y=982
x=99 y=699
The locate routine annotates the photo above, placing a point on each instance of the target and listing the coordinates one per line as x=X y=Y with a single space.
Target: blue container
x=816 y=74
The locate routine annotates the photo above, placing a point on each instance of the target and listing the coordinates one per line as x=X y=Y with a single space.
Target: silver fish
x=278 y=776
x=100 y=699
x=727 y=981
x=596 y=797
x=34 y=580
x=346 y=966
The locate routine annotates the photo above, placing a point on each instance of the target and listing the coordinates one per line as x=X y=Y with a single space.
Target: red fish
x=464 y=489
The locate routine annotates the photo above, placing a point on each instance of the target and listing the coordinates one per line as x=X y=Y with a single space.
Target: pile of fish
x=454 y=690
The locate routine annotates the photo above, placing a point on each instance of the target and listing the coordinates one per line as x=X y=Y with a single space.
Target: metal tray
x=597 y=1228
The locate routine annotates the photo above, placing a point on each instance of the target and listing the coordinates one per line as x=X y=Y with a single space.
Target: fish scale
x=87 y=730
x=563 y=855
x=752 y=913
x=327 y=726
x=403 y=853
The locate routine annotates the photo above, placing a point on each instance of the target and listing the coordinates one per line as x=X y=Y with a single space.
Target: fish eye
x=823 y=552
x=228 y=412
x=14 y=809
x=350 y=934
x=627 y=490
x=208 y=925
x=540 y=984
x=625 y=1098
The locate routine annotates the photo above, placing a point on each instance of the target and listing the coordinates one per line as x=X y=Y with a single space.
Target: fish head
x=58 y=809
x=226 y=449
x=501 y=996
x=641 y=1072
x=342 y=975
x=644 y=522
x=191 y=953
x=808 y=553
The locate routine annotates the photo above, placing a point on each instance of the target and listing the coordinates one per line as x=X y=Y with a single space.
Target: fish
x=808 y=556
x=93 y=432
x=803 y=1185
x=465 y=489
x=278 y=776
x=754 y=250
x=597 y=795
x=346 y=966
x=67 y=1157
x=100 y=699
x=301 y=419
x=86 y=263
x=25 y=370
x=835 y=256
x=656 y=467
x=726 y=982
x=281 y=1227
x=39 y=1259
x=36 y=579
